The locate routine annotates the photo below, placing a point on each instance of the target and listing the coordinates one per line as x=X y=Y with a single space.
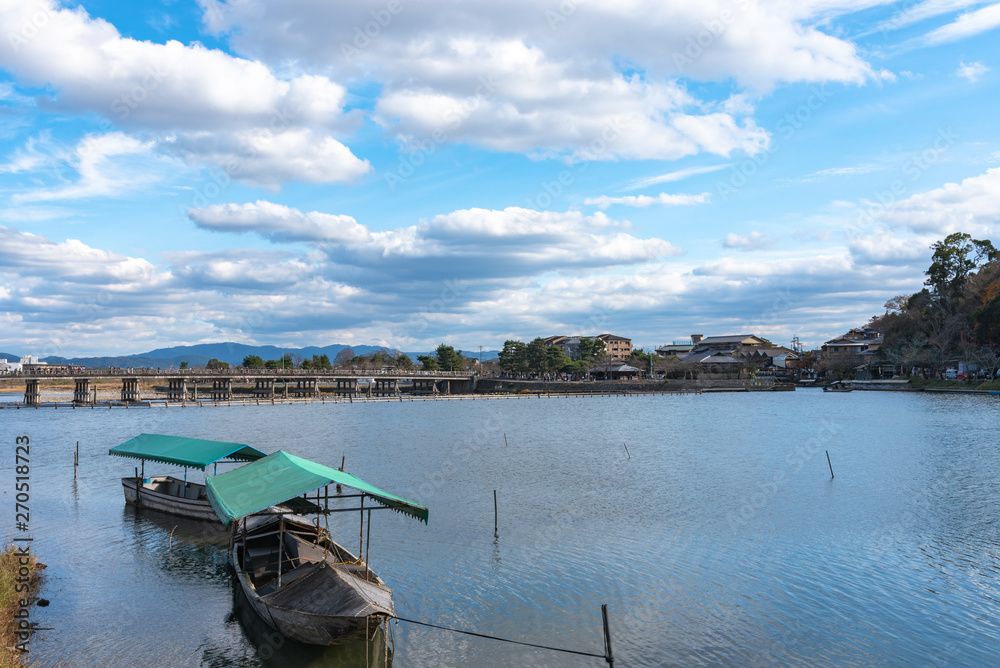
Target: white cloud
x=673 y=176
x=179 y=93
x=665 y=199
x=970 y=206
x=966 y=25
x=478 y=243
x=883 y=248
x=555 y=87
x=914 y=13
x=279 y=223
x=108 y=165
x=972 y=71
x=750 y=242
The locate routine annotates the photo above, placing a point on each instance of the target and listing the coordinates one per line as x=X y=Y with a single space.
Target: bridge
x=220 y=384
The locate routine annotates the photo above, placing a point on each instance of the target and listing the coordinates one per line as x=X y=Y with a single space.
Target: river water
x=719 y=539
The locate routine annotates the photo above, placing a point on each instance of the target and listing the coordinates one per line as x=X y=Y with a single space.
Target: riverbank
x=20 y=574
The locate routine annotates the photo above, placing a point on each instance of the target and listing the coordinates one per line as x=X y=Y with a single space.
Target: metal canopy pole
x=281 y=548
x=368 y=544
x=361 y=539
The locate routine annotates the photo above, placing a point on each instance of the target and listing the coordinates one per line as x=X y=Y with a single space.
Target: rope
x=516 y=642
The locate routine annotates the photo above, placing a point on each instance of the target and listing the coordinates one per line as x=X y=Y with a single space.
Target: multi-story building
x=616 y=347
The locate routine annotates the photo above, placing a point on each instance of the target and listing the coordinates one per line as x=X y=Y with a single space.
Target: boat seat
x=286 y=578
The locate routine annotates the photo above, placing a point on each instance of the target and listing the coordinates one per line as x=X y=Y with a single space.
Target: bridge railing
x=232 y=372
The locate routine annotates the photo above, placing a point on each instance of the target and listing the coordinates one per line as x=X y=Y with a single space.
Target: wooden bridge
x=219 y=385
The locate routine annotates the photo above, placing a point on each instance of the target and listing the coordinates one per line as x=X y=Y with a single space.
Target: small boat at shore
x=294 y=575
x=837 y=387
x=175 y=495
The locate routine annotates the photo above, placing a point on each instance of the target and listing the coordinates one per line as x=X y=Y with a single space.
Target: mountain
x=10 y=357
x=199 y=355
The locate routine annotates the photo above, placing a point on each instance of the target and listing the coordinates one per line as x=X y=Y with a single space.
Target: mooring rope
x=516 y=642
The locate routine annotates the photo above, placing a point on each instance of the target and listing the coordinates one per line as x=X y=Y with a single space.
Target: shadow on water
x=198 y=533
x=266 y=647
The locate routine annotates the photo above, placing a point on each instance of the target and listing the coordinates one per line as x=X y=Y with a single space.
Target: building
x=570 y=345
x=856 y=347
x=674 y=349
x=614 y=371
x=616 y=347
x=9 y=367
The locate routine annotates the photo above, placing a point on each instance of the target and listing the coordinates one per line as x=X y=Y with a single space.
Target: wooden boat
x=167 y=493
x=839 y=388
x=294 y=575
x=304 y=584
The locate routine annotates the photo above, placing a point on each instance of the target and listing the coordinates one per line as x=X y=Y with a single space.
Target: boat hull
x=163 y=493
x=293 y=612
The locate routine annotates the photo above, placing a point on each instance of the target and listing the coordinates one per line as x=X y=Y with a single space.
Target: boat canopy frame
x=280 y=477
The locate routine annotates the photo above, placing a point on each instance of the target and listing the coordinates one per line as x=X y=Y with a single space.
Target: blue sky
x=404 y=174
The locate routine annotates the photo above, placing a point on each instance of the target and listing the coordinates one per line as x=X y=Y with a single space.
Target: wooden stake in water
x=496 y=531
x=609 y=655
x=627 y=452
x=76 y=459
x=828 y=462
x=505 y=439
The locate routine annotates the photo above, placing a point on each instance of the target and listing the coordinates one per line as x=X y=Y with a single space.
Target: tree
x=430 y=362
x=555 y=358
x=591 y=348
x=643 y=360
x=184 y=365
x=344 y=357
x=253 y=362
x=954 y=258
x=403 y=361
x=216 y=364
x=380 y=358
x=448 y=359
x=535 y=355
x=320 y=362
x=513 y=357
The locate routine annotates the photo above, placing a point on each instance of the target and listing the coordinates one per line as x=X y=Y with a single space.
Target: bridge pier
x=222 y=389
x=421 y=386
x=305 y=387
x=264 y=388
x=81 y=393
x=31 y=395
x=177 y=389
x=130 y=390
x=345 y=387
x=387 y=387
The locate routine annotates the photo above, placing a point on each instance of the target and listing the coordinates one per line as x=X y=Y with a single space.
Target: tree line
x=954 y=318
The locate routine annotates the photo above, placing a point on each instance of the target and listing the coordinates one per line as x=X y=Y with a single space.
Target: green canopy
x=280 y=477
x=194 y=452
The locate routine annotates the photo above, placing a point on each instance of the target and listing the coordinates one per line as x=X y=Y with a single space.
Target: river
x=718 y=539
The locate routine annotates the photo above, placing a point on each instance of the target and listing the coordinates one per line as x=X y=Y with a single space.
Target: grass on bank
x=10 y=603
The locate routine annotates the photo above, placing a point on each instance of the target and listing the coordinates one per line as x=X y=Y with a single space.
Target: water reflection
x=273 y=649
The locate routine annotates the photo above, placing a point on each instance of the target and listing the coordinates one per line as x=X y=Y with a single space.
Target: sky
x=407 y=173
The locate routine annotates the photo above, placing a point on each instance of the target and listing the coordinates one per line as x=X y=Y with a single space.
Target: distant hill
x=199 y=355
x=10 y=357
x=488 y=355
